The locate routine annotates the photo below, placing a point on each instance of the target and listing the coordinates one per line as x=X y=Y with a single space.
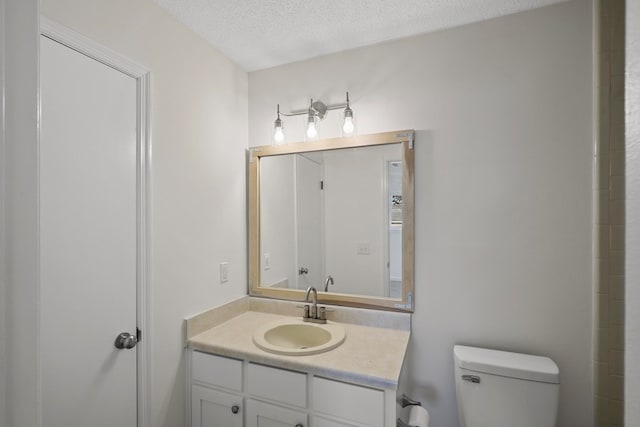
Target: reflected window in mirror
x=393 y=226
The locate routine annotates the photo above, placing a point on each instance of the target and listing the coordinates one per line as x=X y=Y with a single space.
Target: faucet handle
x=322 y=312
x=306 y=310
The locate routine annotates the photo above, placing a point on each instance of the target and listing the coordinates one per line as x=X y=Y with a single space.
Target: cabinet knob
x=299 y=425
x=235 y=409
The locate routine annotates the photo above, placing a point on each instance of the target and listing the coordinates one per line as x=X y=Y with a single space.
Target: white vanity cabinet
x=211 y=408
x=350 y=402
x=260 y=414
x=216 y=387
x=278 y=387
x=228 y=392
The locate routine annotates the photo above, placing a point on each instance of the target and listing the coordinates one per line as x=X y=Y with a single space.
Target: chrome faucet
x=314 y=307
x=316 y=314
x=328 y=281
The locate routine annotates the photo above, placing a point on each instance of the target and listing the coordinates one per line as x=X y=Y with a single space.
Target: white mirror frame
x=254 y=154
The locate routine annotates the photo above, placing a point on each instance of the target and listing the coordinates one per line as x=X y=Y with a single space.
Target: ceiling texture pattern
x=259 y=34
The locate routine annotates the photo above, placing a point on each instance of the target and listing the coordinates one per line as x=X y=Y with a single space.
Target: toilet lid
x=507 y=364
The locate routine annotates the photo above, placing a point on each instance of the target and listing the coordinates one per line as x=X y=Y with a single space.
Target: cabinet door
x=324 y=422
x=349 y=402
x=210 y=408
x=261 y=414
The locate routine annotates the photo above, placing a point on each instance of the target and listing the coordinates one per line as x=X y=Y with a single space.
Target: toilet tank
x=502 y=389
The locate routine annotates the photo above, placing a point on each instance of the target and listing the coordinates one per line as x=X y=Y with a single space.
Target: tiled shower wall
x=609 y=219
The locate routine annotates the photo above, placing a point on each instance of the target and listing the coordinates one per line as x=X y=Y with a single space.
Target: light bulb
x=348 y=127
x=278 y=136
x=312 y=132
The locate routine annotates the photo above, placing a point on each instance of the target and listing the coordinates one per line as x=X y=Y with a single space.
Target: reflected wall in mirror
x=337 y=215
x=334 y=213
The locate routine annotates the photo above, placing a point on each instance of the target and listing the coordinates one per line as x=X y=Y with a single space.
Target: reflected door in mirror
x=308 y=183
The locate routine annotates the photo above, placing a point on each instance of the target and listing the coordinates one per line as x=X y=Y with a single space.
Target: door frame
x=106 y=56
x=3 y=264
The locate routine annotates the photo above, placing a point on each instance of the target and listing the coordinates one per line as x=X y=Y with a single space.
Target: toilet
x=503 y=389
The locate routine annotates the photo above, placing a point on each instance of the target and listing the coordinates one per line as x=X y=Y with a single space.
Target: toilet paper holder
x=405 y=401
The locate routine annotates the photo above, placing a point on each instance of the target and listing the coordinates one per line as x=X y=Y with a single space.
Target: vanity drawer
x=350 y=402
x=217 y=371
x=277 y=385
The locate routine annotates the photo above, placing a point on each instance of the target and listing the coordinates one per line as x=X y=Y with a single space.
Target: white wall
x=503 y=114
x=199 y=137
x=18 y=236
x=632 y=267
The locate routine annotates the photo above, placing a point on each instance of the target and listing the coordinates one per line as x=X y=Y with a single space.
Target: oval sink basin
x=293 y=337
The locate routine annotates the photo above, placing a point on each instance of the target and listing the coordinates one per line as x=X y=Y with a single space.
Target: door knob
x=125 y=340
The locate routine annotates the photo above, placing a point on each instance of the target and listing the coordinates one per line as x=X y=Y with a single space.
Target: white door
x=309 y=222
x=88 y=239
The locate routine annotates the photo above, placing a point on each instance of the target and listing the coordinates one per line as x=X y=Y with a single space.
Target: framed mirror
x=336 y=214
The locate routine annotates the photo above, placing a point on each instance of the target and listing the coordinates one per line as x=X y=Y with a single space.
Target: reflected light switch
x=224 y=272
x=267 y=261
x=364 y=248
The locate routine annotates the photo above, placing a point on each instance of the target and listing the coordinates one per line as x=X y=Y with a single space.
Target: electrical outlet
x=224 y=272
x=267 y=261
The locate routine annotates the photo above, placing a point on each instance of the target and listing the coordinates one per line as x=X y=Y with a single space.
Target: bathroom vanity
x=220 y=396
x=255 y=362
x=233 y=382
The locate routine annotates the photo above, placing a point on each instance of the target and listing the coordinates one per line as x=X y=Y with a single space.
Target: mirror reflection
x=332 y=219
x=335 y=214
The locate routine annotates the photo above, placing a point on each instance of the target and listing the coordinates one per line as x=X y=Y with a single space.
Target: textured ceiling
x=259 y=34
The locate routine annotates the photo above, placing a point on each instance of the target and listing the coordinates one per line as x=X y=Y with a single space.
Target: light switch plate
x=224 y=272
x=364 y=248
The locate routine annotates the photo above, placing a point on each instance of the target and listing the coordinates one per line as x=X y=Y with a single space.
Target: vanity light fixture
x=315 y=113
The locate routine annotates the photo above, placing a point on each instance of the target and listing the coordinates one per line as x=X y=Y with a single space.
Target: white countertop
x=370 y=356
